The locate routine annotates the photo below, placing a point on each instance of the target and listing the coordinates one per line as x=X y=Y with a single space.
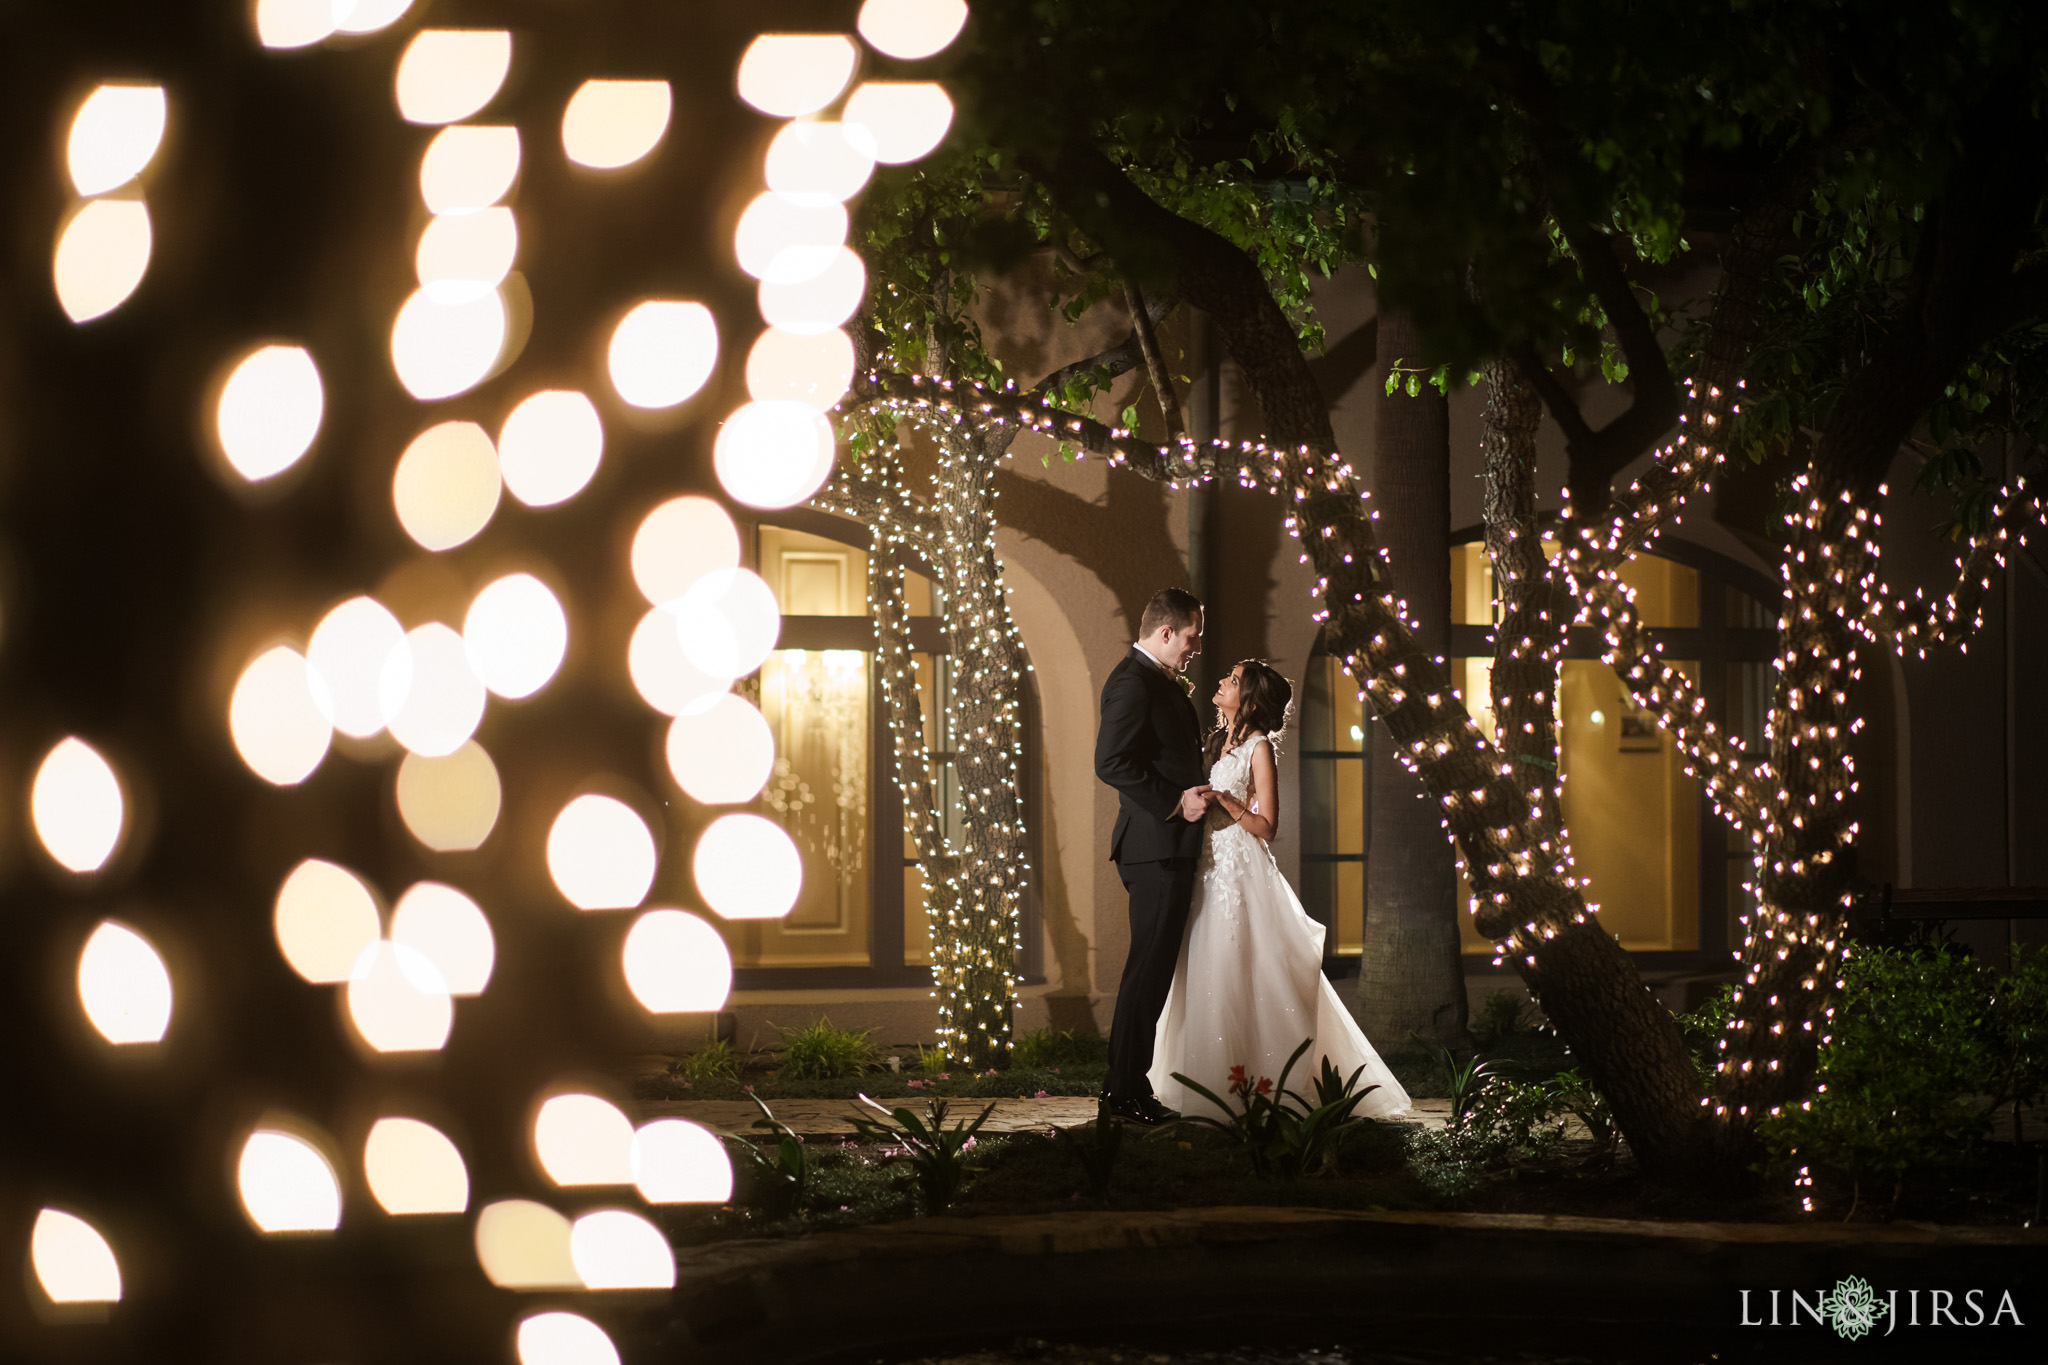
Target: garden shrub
x=822 y=1051
x=1921 y=1040
x=1503 y=1014
x=1046 y=1048
x=717 y=1060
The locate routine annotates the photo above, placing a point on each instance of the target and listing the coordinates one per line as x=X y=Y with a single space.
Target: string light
x=1509 y=840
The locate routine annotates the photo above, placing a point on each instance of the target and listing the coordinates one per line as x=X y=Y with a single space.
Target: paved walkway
x=826 y=1118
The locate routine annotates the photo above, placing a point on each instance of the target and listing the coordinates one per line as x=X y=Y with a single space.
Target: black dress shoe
x=1146 y=1109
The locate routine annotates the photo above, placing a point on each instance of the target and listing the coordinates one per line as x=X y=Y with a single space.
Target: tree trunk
x=1411 y=977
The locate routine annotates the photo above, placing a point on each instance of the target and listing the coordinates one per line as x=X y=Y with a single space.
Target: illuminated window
x=860 y=918
x=1662 y=867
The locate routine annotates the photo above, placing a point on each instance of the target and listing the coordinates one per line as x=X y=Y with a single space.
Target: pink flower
x=1041 y=1095
x=1054 y=1070
x=915 y=1085
x=945 y=1075
x=748 y=1088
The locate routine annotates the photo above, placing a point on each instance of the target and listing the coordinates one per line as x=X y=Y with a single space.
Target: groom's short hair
x=1175 y=607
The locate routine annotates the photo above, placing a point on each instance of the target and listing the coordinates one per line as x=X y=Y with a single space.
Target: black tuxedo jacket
x=1150 y=749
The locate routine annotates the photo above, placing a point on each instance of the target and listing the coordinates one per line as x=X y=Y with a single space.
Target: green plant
x=1572 y=1093
x=2019 y=1034
x=717 y=1060
x=1096 y=1148
x=1705 y=1028
x=777 y=1183
x=1914 y=1049
x=821 y=1051
x=932 y=1061
x=937 y=1154
x=1051 y=1047
x=1285 y=1141
x=1463 y=1079
x=1502 y=1014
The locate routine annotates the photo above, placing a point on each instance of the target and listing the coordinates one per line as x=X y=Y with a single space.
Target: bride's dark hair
x=1263 y=698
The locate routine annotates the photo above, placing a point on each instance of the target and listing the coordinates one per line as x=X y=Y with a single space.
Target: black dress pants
x=1161 y=894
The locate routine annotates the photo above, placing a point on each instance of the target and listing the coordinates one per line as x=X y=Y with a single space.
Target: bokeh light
x=449 y=930
x=614 y=1249
x=102 y=255
x=791 y=74
x=906 y=118
x=471 y=166
x=550 y=447
x=815 y=370
x=446 y=486
x=662 y=352
x=447 y=74
x=678 y=543
x=820 y=302
x=295 y=23
x=911 y=29
x=72 y=1261
x=270 y=411
x=676 y=963
x=788 y=237
x=445 y=703
x=441 y=349
x=287 y=1185
x=279 y=727
x=747 y=868
x=516 y=634
x=398 y=1001
x=564 y=1339
x=450 y=803
x=76 y=806
x=662 y=674
x=828 y=158
x=114 y=135
x=360 y=655
x=676 y=1161
x=721 y=750
x=601 y=854
x=325 y=919
x=583 y=1140
x=524 y=1245
x=367 y=16
x=728 y=622
x=610 y=124
x=123 y=985
x=463 y=256
x=774 y=453
x=413 y=1168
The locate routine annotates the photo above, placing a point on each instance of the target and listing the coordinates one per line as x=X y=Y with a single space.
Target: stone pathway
x=829 y=1118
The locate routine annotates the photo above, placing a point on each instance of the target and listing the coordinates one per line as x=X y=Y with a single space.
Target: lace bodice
x=1228 y=843
x=1233 y=771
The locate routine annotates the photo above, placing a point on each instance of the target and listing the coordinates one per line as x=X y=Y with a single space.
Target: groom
x=1150 y=749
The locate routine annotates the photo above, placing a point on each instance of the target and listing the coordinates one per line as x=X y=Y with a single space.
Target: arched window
x=860 y=919
x=1661 y=865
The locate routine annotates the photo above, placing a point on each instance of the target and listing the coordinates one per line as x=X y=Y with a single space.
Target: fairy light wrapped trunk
x=974 y=891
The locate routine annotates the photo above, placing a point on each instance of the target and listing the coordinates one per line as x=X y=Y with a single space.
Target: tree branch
x=1155 y=366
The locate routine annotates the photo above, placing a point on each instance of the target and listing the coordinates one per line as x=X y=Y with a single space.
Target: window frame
x=886 y=967
x=1715 y=644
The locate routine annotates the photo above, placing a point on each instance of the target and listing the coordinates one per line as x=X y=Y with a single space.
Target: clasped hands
x=1194 y=803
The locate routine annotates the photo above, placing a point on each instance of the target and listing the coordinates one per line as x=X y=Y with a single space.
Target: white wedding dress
x=1249 y=985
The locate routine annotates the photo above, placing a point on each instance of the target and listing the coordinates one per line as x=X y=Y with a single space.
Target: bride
x=1249 y=986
